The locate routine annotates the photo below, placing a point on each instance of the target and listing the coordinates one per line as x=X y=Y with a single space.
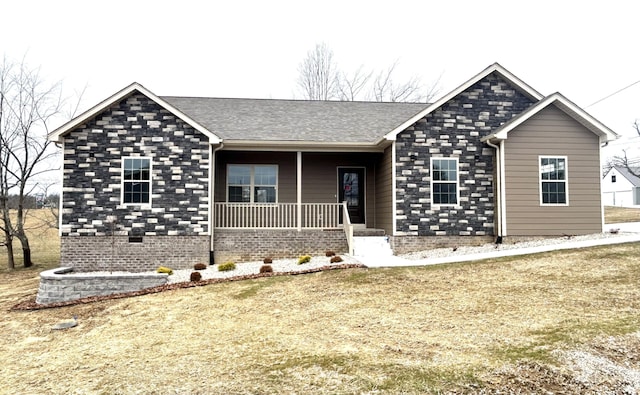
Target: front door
x=351 y=190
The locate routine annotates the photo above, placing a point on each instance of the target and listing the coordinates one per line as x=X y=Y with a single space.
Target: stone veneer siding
x=454 y=131
x=242 y=245
x=106 y=253
x=92 y=180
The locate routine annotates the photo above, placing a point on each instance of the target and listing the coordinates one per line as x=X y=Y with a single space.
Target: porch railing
x=277 y=215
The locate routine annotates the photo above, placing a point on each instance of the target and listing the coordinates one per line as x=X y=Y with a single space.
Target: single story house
x=620 y=187
x=160 y=180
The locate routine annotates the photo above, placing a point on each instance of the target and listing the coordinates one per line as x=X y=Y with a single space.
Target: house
x=150 y=180
x=620 y=187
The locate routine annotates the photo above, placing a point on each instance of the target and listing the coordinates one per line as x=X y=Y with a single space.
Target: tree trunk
x=11 y=264
x=26 y=253
x=26 y=249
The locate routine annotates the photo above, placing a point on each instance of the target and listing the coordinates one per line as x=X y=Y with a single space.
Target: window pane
x=552 y=168
x=137 y=169
x=239 y=194
x=444 y=193
x=554 y=193
x=265 y=195
x=239 y=175
x=444 y=170
x=265 y=175
x=136 y=192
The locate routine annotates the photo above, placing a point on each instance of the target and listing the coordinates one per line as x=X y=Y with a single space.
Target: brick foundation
x=407 y=244
x=117 y=253
x=254 y=245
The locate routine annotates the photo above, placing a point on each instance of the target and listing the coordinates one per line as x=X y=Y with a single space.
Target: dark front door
x=351 y=190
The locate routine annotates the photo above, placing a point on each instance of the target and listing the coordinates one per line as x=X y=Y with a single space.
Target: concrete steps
x=371 y=246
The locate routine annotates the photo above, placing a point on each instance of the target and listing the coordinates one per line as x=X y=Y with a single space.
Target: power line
x=614 y=93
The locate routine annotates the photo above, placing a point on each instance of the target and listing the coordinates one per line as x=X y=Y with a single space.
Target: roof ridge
x=293 y=100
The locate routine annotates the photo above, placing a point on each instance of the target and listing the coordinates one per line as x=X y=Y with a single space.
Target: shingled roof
x=295 y=120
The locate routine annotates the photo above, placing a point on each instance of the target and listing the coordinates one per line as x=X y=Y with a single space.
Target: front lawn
x=507 y=324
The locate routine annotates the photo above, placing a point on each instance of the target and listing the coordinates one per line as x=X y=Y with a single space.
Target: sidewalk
x=630 y=232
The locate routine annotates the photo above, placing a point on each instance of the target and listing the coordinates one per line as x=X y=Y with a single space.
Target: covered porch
x=270 y=194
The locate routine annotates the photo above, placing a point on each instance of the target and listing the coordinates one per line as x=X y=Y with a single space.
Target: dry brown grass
x=621 y=214
x=458 y=327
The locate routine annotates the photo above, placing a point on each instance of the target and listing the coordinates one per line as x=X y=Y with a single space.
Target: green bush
x=336 y=259
x=163 y=269
x=196 y=276
x=266 y=269
x=227 y=266
x=199 y=266
x=304 y=259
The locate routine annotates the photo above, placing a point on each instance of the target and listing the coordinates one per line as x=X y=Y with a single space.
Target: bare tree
x=631 y=164
x=318 y=75
x=352 y=85
x=320 y=79
x=27 y=105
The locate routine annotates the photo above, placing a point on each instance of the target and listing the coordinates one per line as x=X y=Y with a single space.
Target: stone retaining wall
x=62 y=284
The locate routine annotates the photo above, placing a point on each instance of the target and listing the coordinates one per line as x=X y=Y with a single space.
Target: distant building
x=621 y=188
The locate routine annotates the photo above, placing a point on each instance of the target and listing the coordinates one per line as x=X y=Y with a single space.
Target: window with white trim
x=553 y=180
x=252 y=183
x=136 y=180
x=444 y=181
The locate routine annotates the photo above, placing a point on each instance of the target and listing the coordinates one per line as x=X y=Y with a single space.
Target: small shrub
x=266 y=269
x=199 y=266
x=304 y=259
x=164 y=269
x=267 y=260
x=196 y=276
x=227 y=266
x=330 y=253
x=336 y=259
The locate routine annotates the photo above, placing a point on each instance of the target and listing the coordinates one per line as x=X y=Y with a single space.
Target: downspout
x=212 y=200
x=498 y=211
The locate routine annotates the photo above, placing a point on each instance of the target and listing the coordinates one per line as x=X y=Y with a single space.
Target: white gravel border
x=492 y=247
x=247 y=268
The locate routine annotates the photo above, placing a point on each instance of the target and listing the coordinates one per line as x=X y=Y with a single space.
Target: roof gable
x=623 y=171
x=58 y=133
x=494 y=68
x=566 y=106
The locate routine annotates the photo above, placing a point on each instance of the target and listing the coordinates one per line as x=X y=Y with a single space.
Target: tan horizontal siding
x=384 y=191
x=552 y=133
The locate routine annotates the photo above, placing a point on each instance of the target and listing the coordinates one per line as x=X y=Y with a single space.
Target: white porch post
x=299 y=188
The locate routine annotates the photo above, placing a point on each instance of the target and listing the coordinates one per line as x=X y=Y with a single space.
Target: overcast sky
x=584 y=49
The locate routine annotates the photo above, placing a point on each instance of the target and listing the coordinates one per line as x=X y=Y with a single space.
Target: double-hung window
x=252 y=183
x=136 y=180
x=444 y=181
x=553 y=180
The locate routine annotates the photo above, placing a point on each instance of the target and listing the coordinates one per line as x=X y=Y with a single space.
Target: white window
x=136 y=180
x=553 y=181
x=444 y=182
x=252 y=183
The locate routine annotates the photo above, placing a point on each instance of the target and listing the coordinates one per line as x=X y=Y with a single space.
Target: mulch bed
x=30 y=304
